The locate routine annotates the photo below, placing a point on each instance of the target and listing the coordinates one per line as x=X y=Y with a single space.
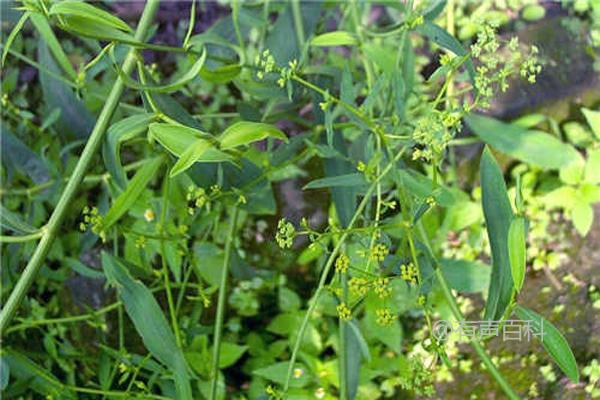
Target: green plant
x=194 y=210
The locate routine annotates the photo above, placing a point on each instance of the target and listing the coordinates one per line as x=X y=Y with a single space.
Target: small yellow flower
x=320 y=393
x=359 y=286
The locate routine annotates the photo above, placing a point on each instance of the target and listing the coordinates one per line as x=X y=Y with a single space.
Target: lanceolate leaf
x=534 y=147
x=190 y=156
x=122 y=131
x=442 y=38
x=11 y=220
x=516 y=251
x=41 y=24
x=245 y=132
x=178 y=139
x=553 y=341
x=192 y=73
x=39 y=379
x=355 y=179
x=93 y=29
x=356 y=350
x=13 y=34
x=135 y=188
x=149 y=321
x=337 y=38
x=498 y=215
x=89 y=12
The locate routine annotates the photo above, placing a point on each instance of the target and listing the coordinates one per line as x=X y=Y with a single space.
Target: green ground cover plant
x=151 y=247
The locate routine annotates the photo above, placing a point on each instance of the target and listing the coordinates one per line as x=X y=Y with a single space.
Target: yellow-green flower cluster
x=379 y=251
x=381 y=288
x=285 y=233
x=287 y=73
x=342 y=263
x=409 y=273
x=197 y=198
x=93 y=219
x=344 y=313
x=359 y=286
x=265 y=62
x=384 y=317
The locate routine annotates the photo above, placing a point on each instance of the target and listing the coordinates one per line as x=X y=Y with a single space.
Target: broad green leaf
x=230 y=353
x=337 y=38
x=498 y=215
x=583 y=217
x=553 y=341
x=593 y=120
x=90 y=28
x=13 y=34
x=177 y=84
x=534 y=147
x=355 y=179
x=38 y=379
x=278 y=372
x=135 y=188
x=118 y=133
x=246 y=132
x=88 y=12
x=592 y=167
x=149 y=322
x=190 y=156
x=42 y=26
x=516 y=251
x=466 y=276
x=442 y=38
x=533 y=12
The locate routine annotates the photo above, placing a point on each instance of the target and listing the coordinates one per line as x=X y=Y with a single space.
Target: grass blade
x=42 y=26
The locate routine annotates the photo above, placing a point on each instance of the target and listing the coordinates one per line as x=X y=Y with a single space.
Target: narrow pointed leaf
x=337 y=38
x=90 y=28
x=11 y=220
x=553 y=341
x=135 y=188
x=245 y=132
x=13 y=34
x=355 y=179
x=498 y=215
x=190 y=156
x=39 y=379
x=149 y=322
x=120 y=132
x=516 y=251
x=89 y=12
x=42 y=26
x=534 y=147
x=191 y=74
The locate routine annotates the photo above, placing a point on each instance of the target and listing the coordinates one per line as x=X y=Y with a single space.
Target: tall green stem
x=62 y=208
x=214 y=374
